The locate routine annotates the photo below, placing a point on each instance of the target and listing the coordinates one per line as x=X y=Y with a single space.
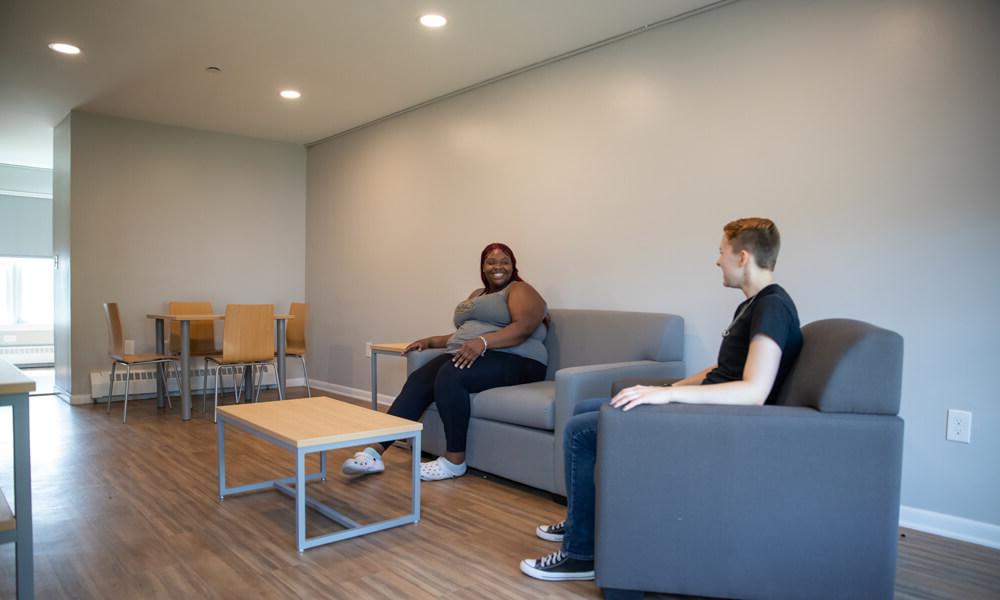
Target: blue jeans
x=580 y=447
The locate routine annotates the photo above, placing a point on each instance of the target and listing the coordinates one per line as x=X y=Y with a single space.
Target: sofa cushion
x=528 y=404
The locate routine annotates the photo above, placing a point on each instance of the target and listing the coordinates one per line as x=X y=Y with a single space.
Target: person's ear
x=745 y=258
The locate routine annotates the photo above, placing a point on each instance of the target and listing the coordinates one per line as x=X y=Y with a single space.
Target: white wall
x=162 y=213
x=867 y=131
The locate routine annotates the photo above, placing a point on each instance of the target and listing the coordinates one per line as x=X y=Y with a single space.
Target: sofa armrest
x=691 y=498
x=415 y=360
x=574 y=384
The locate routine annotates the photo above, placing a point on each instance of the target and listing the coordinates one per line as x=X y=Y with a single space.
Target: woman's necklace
x=725 y=332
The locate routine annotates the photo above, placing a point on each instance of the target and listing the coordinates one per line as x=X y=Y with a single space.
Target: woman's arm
x=759 y=373
x=527 y=309
x=696 y=378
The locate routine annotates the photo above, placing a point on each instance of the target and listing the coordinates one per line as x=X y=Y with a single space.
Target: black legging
x=441 y=382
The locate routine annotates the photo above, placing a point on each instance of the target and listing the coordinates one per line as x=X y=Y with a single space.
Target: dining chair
x=247 y=341
x=116 y=350
x=202 y=333
x=295 y=337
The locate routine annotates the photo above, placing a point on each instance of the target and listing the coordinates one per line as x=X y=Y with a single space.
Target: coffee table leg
x=300 y=498
x=322 y=464
x=416 y=478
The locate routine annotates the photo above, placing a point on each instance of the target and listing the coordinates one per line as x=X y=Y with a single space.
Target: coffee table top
x=306 y=422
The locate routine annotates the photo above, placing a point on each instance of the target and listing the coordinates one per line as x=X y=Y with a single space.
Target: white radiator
x=28 y=355
x=143 y=380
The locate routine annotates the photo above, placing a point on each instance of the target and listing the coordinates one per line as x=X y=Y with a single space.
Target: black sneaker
x=552 y=533
x=558 y=566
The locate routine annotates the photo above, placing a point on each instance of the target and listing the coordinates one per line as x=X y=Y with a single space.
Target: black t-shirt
x=771 y=312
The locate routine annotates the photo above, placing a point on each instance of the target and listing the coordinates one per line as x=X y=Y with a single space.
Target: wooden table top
x=212 y=317
x=390 y=347
x=13 y=381
x=306 y=422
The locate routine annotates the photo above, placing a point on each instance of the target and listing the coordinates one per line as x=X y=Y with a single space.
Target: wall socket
x=368 y=349
x=959 y=426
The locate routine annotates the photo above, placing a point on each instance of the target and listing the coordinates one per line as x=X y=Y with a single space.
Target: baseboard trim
x=949 y=526
x=350 y=392
x=75 y=399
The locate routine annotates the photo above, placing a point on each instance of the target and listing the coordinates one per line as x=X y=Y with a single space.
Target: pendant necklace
x=725 y=332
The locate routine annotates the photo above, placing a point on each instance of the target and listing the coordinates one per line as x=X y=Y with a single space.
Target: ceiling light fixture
x=64 y=48
x=433 y=21
x=290 y=94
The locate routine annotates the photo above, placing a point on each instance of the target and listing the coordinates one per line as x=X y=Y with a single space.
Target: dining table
x=185 y=358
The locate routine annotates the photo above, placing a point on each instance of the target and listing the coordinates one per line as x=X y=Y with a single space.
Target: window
x=26 y=292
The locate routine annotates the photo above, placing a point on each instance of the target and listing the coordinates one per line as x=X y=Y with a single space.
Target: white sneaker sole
x=548 y=537
x=355 y=474
x=529 y=569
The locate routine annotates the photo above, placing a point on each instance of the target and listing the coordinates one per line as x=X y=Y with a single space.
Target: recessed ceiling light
x=64 y=48
x=290 y=94
x=433 y=21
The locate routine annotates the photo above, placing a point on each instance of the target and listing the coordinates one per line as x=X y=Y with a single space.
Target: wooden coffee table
x=308 y=425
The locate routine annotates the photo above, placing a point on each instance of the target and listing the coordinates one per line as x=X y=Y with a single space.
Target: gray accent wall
x=867 y=130
x=154 y=213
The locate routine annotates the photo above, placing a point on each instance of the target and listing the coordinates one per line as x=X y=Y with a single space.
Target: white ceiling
x=353 y=60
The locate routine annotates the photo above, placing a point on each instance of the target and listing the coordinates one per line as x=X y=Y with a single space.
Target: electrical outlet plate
x=959 y=426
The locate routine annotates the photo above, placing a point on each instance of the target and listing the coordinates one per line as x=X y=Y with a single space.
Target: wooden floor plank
x=131 y=511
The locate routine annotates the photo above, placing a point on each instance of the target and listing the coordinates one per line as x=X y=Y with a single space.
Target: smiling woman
x=499 y=341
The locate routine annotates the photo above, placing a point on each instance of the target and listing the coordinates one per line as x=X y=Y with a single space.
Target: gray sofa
x=516 y=432
x=797 y=500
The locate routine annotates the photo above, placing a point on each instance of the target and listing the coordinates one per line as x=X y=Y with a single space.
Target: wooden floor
x=130 y=511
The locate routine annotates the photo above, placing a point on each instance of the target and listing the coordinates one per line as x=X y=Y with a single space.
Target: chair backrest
x=202 y=333
x=846 y=366
x=116 y=337
x=590 y=337
x=248 y=333
x=295 y=330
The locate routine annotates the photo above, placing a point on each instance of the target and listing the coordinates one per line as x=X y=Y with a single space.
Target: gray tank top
x=487 y=313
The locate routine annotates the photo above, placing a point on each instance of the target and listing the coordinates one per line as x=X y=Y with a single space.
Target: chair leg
x=237 y=384
x=128 y=376
x=111 y=385
x=204 y=385
x=305 y=373
x=161 y=371
x=215 y=408
x=166 y=382
x=258 y=382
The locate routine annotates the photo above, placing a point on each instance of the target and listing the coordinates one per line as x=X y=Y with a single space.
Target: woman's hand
x=419 y=345
x=434 y=341
x=629 y=398
x=468 y=353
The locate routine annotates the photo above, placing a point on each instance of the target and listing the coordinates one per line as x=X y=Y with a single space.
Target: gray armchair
x=795 y=500
x=516 y=432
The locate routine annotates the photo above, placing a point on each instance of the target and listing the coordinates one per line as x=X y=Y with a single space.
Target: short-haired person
x=758 y=347
x=499 y=341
